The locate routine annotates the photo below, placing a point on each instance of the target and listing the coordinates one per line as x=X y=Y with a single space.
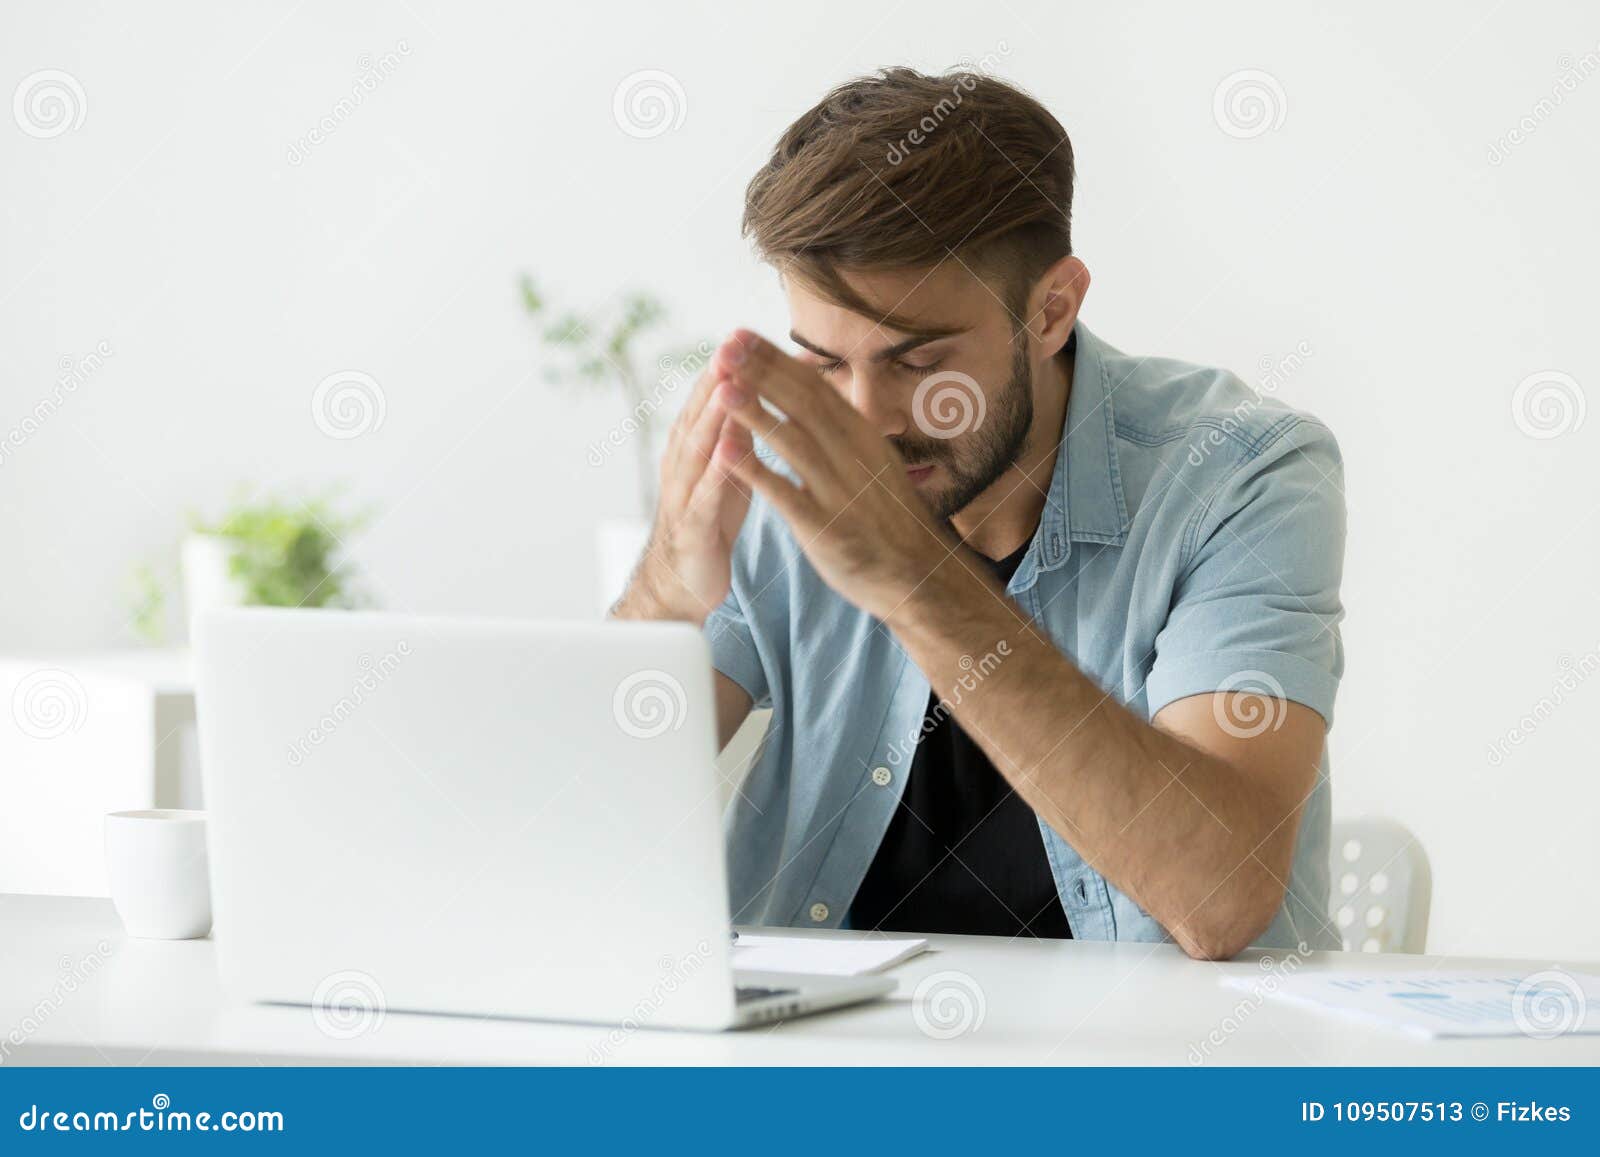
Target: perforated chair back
x=1382 y=886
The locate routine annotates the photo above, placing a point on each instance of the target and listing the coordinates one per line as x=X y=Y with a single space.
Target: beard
x=977 y=459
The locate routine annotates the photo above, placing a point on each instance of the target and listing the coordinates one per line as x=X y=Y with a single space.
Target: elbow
x=1227 y=928
x=1218 y=944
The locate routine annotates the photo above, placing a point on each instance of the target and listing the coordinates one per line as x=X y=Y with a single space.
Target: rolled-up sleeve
x=1256 y=607
x=733 y=648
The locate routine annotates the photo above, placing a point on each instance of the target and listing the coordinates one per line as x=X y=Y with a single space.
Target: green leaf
x=530 y=295
x=148 y=616
x=641 y=310
x=571 y=330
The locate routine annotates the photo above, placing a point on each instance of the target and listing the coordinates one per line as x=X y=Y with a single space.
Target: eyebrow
x=888 y=353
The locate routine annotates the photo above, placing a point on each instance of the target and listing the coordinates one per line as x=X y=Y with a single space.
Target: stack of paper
x=829 y=956
x=1541 y=1004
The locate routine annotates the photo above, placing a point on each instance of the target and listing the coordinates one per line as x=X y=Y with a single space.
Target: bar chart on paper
x=1549 y=1003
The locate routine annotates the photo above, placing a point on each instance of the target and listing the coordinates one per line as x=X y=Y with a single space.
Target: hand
x=855 y=513
x=686 y=570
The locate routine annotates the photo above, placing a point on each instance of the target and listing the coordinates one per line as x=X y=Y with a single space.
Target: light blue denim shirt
x=1192 y=541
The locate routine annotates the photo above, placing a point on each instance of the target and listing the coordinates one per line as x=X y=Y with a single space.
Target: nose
x=875 y=398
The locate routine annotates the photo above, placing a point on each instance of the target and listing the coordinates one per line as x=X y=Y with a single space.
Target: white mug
x=156 y=861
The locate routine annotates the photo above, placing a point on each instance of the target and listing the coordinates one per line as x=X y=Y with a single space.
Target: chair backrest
x=1382 y=886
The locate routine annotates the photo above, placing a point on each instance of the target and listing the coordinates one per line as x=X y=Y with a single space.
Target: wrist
x=958 y=614
x=654 y=594
x=938 y=586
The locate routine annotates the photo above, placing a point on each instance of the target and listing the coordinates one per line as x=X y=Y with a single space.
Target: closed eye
x=829 y=367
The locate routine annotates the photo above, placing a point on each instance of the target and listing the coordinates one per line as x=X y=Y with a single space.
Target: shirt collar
x=1085 y=498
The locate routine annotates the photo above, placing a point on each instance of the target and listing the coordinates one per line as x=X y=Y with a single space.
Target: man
x=1049 y=633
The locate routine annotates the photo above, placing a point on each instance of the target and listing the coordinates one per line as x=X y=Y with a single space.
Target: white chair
x=1382 y=886
x=82 y=734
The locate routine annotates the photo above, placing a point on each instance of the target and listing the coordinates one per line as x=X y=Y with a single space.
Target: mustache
x=924 y=451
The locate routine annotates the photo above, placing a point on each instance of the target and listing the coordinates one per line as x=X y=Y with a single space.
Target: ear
x=1054 y=302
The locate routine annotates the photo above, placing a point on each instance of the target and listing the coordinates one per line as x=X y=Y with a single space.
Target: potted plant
x=601 y=349
x=270 y=551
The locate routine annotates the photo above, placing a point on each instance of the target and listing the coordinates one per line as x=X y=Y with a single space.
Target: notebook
x=829 y=956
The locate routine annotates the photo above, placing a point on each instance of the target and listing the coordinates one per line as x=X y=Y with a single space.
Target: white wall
x=1371 y=224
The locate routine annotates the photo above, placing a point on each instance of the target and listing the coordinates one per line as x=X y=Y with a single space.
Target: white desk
x=150 y=1002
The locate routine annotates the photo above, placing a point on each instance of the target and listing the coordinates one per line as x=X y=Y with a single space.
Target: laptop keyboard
x=745 y=993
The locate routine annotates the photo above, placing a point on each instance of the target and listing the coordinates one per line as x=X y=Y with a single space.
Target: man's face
x=958 y=408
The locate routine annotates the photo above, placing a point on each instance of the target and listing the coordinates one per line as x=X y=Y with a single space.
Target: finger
x=717 y=486
x=737 y=438
x=702 y=437
x=736 y=441
x=704 y=385
x=797 y=507
x=797 y=447
x=694 y=451
x=714 y=470
x=762 y=368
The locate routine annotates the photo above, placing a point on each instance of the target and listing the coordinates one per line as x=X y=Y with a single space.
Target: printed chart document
x=1547 y=1003
x=831 y=956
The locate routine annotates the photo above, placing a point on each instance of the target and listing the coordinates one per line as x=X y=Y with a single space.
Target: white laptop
x=472 y=816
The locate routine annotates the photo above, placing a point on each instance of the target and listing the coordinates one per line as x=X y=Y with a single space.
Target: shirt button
x=881 y=776
x=819 y=912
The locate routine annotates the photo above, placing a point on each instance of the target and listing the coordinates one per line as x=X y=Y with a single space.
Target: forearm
x=1194 y=841
x=652 y=596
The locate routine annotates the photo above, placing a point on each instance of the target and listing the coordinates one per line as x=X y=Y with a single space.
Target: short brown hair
x=902 y=170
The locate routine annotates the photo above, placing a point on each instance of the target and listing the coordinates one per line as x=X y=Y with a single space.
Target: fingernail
x=732 y=396
x=733 y=351
x=747 y=341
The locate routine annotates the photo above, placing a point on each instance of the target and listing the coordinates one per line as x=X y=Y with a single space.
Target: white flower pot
x=203 y=560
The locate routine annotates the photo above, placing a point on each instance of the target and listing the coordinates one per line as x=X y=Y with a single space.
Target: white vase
x=618 y=543
x=203 y=560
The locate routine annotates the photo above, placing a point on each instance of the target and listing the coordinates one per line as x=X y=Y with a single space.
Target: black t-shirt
x=963 y=852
